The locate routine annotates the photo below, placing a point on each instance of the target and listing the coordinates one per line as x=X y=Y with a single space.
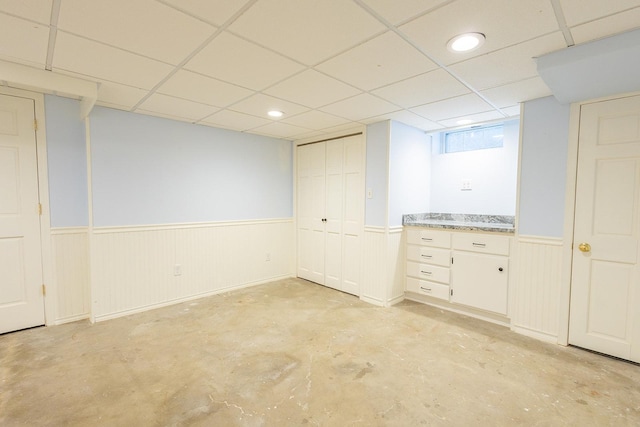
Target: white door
x=330 y=212
x=333 y=213
x=310 y=212
x=605 y=284
x=352 y=213
x=21 y=299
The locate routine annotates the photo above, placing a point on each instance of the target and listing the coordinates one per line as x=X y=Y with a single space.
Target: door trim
x=50 y=299
x=569 y=211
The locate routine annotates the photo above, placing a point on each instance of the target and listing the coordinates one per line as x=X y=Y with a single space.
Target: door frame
x=569 y=211
x=48 y=278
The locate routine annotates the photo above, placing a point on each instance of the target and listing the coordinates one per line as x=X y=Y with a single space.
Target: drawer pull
x=427 y=239
x=426 y=272
x=427 y=256
x=479 y=245
x=425 y=289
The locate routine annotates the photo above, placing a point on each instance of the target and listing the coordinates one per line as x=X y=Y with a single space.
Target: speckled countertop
x=471 y=222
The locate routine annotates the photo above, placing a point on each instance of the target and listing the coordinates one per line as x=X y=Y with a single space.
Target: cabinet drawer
x=428 y=272
x=428 y=255
x=483 y=243
x=436 y=290
x=428 y=237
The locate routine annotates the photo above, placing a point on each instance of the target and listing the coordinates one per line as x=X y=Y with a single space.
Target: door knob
x=584 y=247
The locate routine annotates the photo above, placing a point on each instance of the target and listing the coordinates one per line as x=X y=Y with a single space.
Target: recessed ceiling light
x=275 y=113
x=466 y=42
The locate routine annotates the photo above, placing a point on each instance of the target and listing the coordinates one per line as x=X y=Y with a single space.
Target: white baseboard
x=535 y=334
x=71 y=319
x=185 y=299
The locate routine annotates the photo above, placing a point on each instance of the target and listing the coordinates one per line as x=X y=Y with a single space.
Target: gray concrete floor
x=295 y=353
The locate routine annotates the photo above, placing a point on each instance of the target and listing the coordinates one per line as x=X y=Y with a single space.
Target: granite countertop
x=471 y=222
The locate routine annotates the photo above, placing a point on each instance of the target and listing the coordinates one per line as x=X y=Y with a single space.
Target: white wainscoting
x=374 y=255
x=395 y=265
x=382 y=266
x=134 y=268
x=535 y=298
x=70 y=250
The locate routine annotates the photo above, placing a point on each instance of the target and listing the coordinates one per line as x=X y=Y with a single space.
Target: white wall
x=493 y=174
x=409 y=172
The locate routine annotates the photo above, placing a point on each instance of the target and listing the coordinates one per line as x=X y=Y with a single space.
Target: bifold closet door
x=330 y=214
x=310 y=212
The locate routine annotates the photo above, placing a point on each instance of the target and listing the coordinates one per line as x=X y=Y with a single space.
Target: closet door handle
x=324 y=219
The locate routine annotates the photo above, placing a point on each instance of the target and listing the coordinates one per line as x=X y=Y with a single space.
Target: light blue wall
x=377 y=176
x=149 y=170
x=67 y=162
x=409 y=172
x=545 y=136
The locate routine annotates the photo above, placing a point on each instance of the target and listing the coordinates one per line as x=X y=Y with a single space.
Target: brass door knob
x=584 y=247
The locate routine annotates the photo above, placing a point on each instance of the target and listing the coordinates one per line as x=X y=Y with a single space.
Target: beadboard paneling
x=536 y=292
x=395 y=265
x=133 y=268
x=70 y=249
x=382 y=266
x=374 y=257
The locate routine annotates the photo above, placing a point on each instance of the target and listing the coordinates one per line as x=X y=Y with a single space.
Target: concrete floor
x=295 y=353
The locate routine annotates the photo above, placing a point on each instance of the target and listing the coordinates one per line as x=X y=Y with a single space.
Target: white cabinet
x=465 y=268
x=428 y=261
x=330 y=212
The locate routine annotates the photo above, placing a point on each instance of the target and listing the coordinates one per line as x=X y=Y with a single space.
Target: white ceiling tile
x=259 y=105
x=280 y=130
x=509 y=64
x=196 y=87
x=315 y=120
x=35 y=10
x=106 y=63
x=234 y=120
x=14 y=32
x=360 y=107
x=475 y=118
x=176 y=107
x=408 y=118
x=238 y=61
x=512 y=111
x=312 y=89
x=396 y=13
x=513 y=93
x=216 y=12
x=504 y=22
x=378 y=62
x=308 y=31
x=314 y=134
x=606 y=27
x=121 y=95
x=429 y=87
x=453 y=107
x=581 y=11
x=145 y=27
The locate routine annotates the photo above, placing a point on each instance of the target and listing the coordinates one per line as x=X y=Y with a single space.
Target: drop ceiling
x=328 y=65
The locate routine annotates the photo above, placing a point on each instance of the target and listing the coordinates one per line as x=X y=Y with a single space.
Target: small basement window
x=475 y=138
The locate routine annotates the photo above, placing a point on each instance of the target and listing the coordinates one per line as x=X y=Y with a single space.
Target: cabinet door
x=480 y=281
